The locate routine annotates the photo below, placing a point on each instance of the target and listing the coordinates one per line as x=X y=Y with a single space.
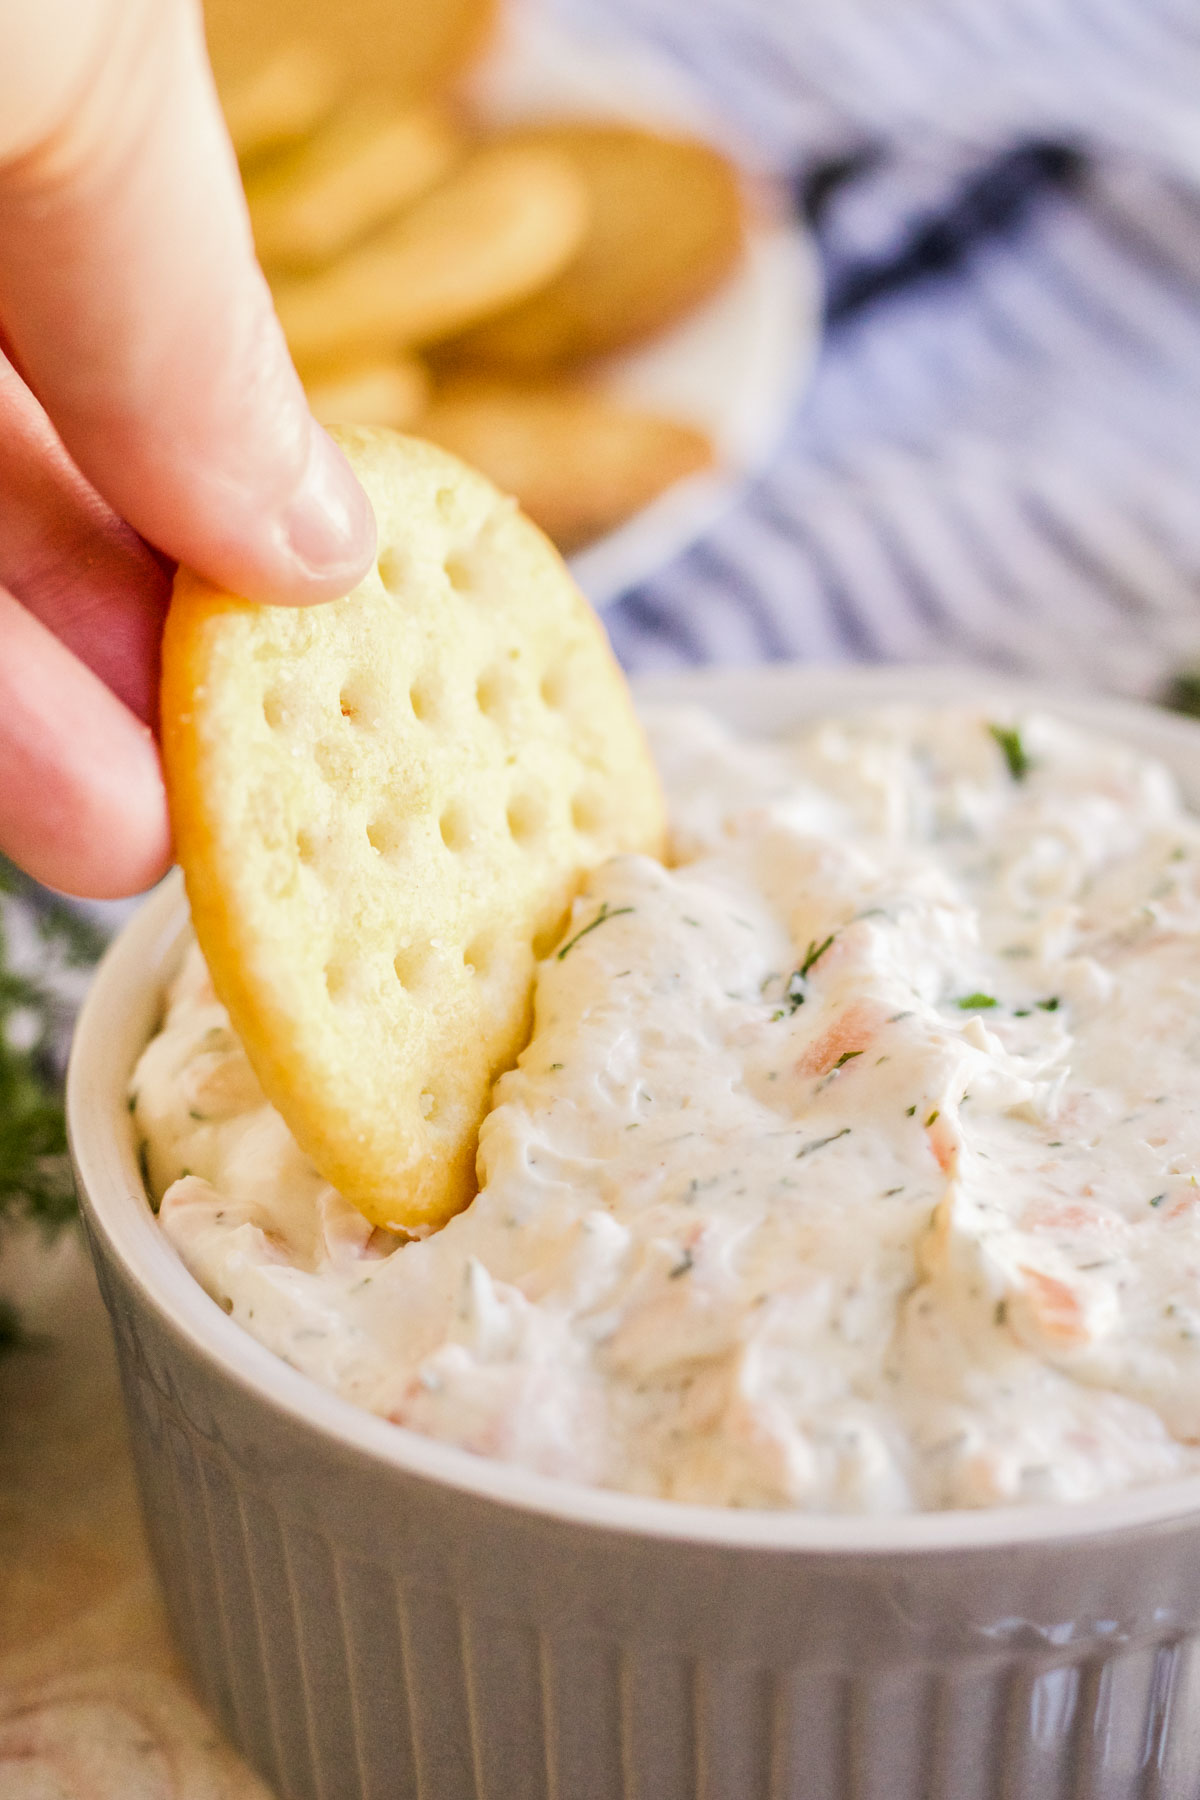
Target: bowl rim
x=112 y=1196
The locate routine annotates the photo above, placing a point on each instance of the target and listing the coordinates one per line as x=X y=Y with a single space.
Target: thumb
x=131 y=297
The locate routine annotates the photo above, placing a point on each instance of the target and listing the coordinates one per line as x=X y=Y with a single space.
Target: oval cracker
x=373 y=807
x=501 y=225
x=665 y=228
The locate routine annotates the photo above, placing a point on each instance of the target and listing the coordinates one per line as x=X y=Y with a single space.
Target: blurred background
x=865 y=331
x=994 y=456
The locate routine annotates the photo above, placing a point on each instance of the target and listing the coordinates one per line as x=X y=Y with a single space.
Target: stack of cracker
x=433 y=275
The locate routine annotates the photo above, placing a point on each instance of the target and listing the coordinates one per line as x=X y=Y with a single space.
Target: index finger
x=129 y=290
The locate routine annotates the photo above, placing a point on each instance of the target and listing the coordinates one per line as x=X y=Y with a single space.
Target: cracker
x=362 y=167
x=665 y=229
x=392 y=391
x=404 y=51
x=499 y=228
x=577 y=461
x=384 y=806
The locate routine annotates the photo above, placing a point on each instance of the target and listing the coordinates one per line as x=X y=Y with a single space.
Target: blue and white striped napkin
x=999 y=461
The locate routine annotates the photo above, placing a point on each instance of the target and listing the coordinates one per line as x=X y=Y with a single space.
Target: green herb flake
x=554 y=1066
x=601 y=918
x=1182 y=692
x=813 y=954
x=1000 y=1316
x=131 y=1103
x=845 y=1057
x=820 y=1143
x=934 y=1116
x=1050 y=1005
x=1158 y=1199
x=909 y=1111
x=1015 y=753
x=977 y=1002
x=687 y=1261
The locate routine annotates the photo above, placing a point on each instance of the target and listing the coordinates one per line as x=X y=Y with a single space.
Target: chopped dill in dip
x=854 y=1164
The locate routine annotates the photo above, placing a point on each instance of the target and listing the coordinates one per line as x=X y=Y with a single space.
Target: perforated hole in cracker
x=393 y=569
x=386 y=835
x=457 y=826
x=414 y=964
x=589 y=812
x=459 y=574
x=480 y=954
x=526 y=816
x=553 y=688
x=427 y=696
x=495 y=693
x=360 y=700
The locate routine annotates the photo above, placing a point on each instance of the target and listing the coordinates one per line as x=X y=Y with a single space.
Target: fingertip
x=106 y=835
x=328 y=527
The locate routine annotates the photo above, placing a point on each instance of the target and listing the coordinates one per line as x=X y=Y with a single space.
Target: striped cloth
x=999 y=459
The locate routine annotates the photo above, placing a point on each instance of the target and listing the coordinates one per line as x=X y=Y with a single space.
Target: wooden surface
x=93 y=1702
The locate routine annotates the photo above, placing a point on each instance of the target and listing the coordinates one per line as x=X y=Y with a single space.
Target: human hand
x=166 y=410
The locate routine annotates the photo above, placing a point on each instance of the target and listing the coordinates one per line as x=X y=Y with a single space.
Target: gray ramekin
x=372 y=1615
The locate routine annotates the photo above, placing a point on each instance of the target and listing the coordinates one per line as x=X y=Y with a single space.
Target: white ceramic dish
x=737 y=365
x=372 y=1613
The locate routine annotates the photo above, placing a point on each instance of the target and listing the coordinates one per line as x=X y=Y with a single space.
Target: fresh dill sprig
x=813 y=954
x=606 y=912
x=35 y=1016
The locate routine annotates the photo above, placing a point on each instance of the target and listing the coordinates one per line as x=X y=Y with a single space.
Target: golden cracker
x=577 y=461
x=362 y=167
x=503 y=225
x=392 y=391
x=384 y=806
x=665 y=229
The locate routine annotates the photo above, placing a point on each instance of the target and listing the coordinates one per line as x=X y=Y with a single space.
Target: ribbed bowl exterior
x=374 y=1618
x=365 y=1634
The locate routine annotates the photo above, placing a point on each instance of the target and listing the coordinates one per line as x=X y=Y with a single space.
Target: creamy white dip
x=853 y=1164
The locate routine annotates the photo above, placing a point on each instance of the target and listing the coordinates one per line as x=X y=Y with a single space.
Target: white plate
x=736 y=365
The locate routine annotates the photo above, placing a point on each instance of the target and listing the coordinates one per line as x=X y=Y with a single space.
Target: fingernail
x=329 y=523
